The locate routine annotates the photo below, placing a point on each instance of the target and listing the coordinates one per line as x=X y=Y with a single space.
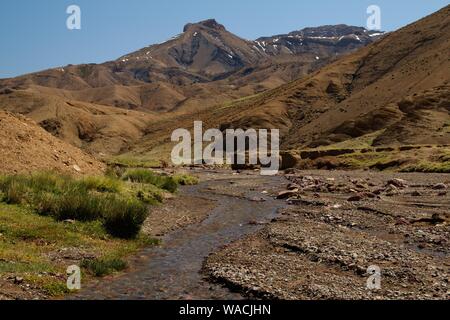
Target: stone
x=357 y=197
x=18 y=280
x=292 y=186
x=440 y=186
x=401 y=221
x=399 y=183
x=289 y=159
x=287 y=194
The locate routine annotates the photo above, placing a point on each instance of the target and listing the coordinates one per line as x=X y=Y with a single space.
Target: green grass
x=429 y=167
x=149 y=177
x=43 y=213
x=186 y=180
x=123 y=218
x=28 y=241
x=104 y=267
x=438 y=163
x=90 y=199
x=366 y=160
x=363 y=142
x=103 y=184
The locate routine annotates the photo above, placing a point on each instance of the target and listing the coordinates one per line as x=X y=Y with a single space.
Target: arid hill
x=25 y=147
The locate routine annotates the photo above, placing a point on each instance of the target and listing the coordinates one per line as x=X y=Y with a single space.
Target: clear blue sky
x=33 y=33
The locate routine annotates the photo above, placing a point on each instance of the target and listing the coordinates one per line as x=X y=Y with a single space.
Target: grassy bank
x=49 y=222
x=426 y=158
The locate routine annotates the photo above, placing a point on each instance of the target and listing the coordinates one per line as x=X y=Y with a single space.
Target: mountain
x=394 y=92
x=106 y=108
x=324 y=40
x=204 y=60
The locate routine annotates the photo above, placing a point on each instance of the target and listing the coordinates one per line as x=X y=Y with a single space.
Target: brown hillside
x=400 y=83
x=95 y=128
x=26 y=148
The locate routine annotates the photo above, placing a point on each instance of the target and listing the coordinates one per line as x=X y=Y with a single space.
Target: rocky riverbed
x=336 y=226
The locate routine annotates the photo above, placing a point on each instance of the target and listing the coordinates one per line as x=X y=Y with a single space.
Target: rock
x=289 y=159
x=442 y=193
x=293 y=186
x=76 y=168
x=256 y=223
x=399 y=183
x=307 y=202
x=18 y=280
x=416 y=194
x=440 y=186
x=378 y=191
x=391 y=190
x=356 y=197
x=436 y=218
x=401 y=221
x=69 y=221
x=287 y=194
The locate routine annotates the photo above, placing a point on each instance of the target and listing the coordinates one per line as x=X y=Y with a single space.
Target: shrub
x=124 y=217
x=149 y=177
x=170 y=185
x=88 y=199
x=186 y=180
x=74 y=205
x=15 y=193
x=102 y=184
x=147 y=193
x=100 y=268
x=114 y=171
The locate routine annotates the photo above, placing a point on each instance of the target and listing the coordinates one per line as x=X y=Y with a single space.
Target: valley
x=88 y=176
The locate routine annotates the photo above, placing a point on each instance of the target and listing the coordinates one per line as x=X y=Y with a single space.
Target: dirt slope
x=25 y=147
x=92 y=127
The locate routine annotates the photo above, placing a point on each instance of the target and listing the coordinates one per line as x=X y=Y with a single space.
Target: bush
x=147 y=193
x=124 y=217
x=186 y=180
x=88 y=199
x=149 y=177
x=100 y=268
x=115 y=172
x=72 y=205
x=170 y=185
x=102 y=184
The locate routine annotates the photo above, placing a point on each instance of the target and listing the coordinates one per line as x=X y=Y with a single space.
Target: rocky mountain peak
x=210 y=24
